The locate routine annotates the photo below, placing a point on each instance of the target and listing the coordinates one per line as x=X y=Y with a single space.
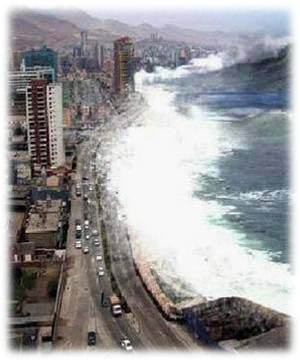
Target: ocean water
x=202 y=179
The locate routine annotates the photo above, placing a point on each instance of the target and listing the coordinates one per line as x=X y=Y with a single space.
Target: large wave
x=154 y=164
x=252 y=53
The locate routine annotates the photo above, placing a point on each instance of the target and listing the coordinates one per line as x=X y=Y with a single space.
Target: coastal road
x=160 y=333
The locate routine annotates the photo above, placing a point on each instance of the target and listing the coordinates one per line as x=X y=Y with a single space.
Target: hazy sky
x=271 y=21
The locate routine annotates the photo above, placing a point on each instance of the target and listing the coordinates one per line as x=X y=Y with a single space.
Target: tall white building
x=55 y=124
x=44 y=117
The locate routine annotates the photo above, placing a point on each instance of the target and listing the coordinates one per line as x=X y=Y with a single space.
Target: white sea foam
x=212 y=62
x=152 y=168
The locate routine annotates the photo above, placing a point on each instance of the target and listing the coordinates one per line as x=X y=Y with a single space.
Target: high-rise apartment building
x=55 y=124
x=42 y=57
x=123 y=65
x=83 y=43
x=99 y=55
x=44 y=124
x=18 y=82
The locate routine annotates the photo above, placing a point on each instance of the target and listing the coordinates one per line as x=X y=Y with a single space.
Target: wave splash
x=153 y=168
x=253 y=52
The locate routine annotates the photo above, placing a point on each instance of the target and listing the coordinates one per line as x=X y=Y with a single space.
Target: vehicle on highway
x=86 y=224
x=91 y=188
x=78 y=234
x=86 y=178
x=105 y=301
x=78 y=245
x=77 y=222
x=91 y=338
x=96 y=242
x=78 y=190
x=115 y=257
x=115 y=303
x=98 y=257
x=95 y=232
x=126 y=345
x=78 y=193
x=85 y=197
x=87 y=237
x=101 y=271
x=86 y=250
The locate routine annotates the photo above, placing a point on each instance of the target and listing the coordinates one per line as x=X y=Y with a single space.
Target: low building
x=20 y=167
x=44 y=224
x=43 y=230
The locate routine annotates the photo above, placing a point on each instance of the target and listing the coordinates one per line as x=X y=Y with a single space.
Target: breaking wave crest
x=154 y=164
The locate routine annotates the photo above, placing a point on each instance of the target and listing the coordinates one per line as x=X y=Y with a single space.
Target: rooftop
x=43 y=222
x=47 y=206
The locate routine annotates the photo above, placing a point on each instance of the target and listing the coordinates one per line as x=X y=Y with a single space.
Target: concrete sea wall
x=227 y=318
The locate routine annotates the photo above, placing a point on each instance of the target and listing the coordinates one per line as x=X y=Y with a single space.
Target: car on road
x=97 y=242
x=78 y=193
x=78 y=245
x=126 y=345
x=98 y=257
x=101 y=271
x=87 y=237
x=91 y=188
x=86 y=250
x=116 y=257
x=91 y=338
x=95 y=232
x=105 y=302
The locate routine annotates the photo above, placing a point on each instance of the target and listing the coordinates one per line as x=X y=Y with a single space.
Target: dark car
x=91 y=338
x=105 y=302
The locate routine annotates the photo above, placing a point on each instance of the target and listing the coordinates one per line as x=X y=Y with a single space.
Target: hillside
x=29 y=28
x=60 y=28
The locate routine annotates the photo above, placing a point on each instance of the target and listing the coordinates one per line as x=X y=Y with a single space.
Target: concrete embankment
x=234 y=322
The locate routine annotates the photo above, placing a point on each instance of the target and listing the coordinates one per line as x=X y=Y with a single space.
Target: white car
x=86 y=250
x=87 y=237
x=98 y=257
x=101 y=271
x=95 y=232
x=126 y=345
x=78 y=245
x=90 y=188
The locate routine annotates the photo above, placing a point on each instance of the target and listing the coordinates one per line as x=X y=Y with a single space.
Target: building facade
x=42 y=57
x=44 y=124
x=55 y=124
x=18 y=82
x=83 y=43
x=123 y=65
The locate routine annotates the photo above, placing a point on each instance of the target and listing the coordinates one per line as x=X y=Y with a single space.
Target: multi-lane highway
x=82 y=308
